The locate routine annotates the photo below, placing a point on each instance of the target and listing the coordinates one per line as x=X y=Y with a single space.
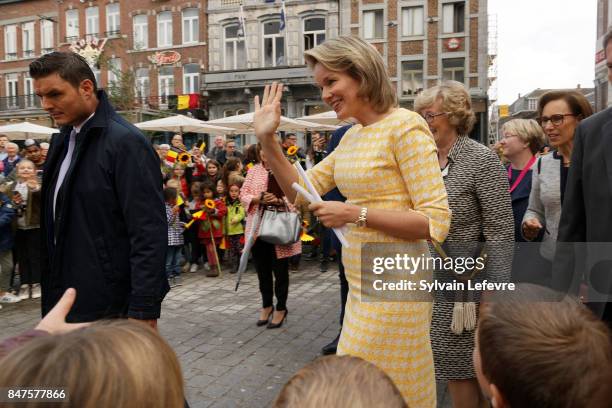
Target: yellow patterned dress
x=390 y=165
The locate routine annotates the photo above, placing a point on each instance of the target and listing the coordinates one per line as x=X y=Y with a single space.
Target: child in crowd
x=234 y=229
x=7 y=216
x=26 y=200
x=232 y=172
x=178 y=173
x=191 y=233
x=340 y=382
x=212 y=170
x=117 y=363
x=211 y=228
x=175 y=237
x=220 y=186
x=538 y=348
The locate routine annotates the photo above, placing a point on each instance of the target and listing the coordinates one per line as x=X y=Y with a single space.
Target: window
x=412 y=21
x=92 y=22
x=96 y=72
x=453 y=69
x=114 y=70
x=46 y=32
x=165 y=83
x=191 y=26
x=191 y=78
x=112 y=19
x=10 y=42
x=274 y=44
x=164 y=29
x=373 y=24
x=72 y=25
x=28 y=91
x=141 y=33
x=453 y=17
x=314 y=32
x=142 y=85
x=412 y=77
x=27 y=39
x=532 y=104
x=11 y=89
x=234 y=52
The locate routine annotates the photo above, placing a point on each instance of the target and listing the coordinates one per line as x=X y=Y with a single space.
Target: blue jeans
x=173 y=259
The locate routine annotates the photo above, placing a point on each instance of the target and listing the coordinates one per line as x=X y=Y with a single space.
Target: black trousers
x=273 y=275
x=27 y=251
x=344 y=287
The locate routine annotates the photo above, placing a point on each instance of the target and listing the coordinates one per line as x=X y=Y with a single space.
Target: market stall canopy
x=27 y=130
x=244 y=124
x=183 y=124
x=326 y=118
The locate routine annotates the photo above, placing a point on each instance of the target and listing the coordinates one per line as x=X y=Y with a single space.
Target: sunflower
x=291 y=151
x=184 y=158
x=209 y=203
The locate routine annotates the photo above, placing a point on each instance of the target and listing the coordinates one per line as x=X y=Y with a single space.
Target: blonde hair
x=456 y=102
x=119 y=364
x=363 y=63
x=340 y=381
x=25 y=161
x=528 y=131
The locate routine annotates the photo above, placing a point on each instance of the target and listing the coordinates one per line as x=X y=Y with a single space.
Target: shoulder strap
x=539 y=165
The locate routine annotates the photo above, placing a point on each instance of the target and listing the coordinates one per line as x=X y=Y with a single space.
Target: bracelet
x=363 y=217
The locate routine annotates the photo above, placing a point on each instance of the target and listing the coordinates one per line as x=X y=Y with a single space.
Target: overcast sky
x=544 y=44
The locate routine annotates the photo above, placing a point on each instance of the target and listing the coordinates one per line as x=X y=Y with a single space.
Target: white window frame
x=448 y=17
x=27 y=39
x=453 y=70
x=12 y=90
x=28 y=91
x=92 y=22
x=143 y=86
x=10 y=42
x=273 y=38
x=235 y=42
x=369 y=33
x=113 y=19
x=191 y=81
x=164 y=29
x=165 y=87
x=315 y=33
x=46 y=36
x=140 y=23
x=413 y=18
x=191 y=25
x=72 y=29
x=412 y=74
x=532 y=104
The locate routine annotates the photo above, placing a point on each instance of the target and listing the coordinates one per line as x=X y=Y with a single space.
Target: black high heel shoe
x=279 y=324
x=264 y=322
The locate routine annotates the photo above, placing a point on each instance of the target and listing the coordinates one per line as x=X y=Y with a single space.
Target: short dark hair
x=170 y=193
x=578 y=104
x=606 y=41
x=71 y=67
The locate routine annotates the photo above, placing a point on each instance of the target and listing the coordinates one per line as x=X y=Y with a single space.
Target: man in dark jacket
x=103 y=216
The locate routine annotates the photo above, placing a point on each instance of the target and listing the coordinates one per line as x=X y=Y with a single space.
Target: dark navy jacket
x=7 y=215
x=520 y=200
x=109 y=237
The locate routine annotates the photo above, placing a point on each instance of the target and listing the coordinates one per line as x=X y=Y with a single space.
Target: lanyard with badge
x=521 y=175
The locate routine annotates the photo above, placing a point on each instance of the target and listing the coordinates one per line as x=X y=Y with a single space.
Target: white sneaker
x=207 y=266
x=24 y=292
x=194 y=268
x=36 y=291
x=9 y=298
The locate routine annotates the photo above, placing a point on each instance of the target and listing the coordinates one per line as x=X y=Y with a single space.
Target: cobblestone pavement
x=227 y=361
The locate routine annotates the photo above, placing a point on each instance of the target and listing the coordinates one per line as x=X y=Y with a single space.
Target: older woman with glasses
x=477 y=187
x=559 y=115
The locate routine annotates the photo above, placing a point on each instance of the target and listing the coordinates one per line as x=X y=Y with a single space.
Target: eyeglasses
x=509 y=135
x=556 y=120
x=430 y=116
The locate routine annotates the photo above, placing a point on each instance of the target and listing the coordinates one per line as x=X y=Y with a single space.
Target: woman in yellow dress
x=387 y=167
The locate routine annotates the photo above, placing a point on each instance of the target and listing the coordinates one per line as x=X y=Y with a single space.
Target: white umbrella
x=244 y=124
x=326 y=118
x=182 y=124
x=27 y=130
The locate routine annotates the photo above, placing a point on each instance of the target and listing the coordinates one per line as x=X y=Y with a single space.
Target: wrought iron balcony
x=19 y=102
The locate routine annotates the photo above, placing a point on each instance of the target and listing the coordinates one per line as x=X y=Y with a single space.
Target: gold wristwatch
x=363 y=218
